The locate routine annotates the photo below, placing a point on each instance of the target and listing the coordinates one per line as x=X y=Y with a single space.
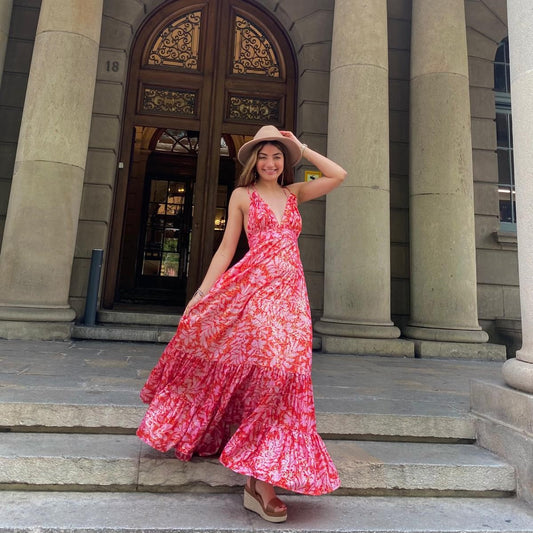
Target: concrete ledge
x=504 y=425
x=460 y=350
x=360 y=346
x=498 y=402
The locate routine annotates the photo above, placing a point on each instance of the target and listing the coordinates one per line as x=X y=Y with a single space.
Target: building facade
x=120 y=124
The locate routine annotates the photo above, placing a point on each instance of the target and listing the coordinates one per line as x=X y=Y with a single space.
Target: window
x=504 y=136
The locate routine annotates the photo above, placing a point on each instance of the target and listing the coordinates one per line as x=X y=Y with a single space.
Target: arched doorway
x=203 y=76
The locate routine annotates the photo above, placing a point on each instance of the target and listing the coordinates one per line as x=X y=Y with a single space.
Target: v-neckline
x=279 y=222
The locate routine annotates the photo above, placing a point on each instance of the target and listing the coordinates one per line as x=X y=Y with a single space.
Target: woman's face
x=269 y=164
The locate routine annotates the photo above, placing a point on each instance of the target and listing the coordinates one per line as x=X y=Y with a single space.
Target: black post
x=92 y=287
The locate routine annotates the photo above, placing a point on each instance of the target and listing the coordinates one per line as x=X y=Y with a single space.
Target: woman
x=236 y=377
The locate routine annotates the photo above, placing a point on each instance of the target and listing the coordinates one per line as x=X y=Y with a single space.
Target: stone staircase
x=132 y=325
x=67 y=466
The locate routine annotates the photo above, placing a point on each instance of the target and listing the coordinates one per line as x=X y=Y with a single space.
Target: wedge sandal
x=254 y=502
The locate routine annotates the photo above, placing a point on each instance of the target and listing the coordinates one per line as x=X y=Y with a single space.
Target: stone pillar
x=518 y=372
x=442 y=234
x=5 y=21
x=43 y=210
x=357 y=250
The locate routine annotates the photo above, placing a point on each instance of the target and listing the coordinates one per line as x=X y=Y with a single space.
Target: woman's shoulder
x=241 y=196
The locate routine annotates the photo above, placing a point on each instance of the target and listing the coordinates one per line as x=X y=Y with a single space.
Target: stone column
x=518 y=372
x=442 y=235
x=357 y=250
x=43 y=210
x=5 y=21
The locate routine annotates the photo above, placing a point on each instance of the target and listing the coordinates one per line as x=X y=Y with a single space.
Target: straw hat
x=270 y=133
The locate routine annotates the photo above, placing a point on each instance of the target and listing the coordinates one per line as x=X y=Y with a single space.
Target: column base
x=503 y=426
x=36 y=323
x=359 y=346
x=460 y=350
x=363 y=331
x=445 y=335
x=363 y=339
x=519 y=375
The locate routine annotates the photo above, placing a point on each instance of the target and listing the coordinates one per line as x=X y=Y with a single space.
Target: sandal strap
x=272 y=504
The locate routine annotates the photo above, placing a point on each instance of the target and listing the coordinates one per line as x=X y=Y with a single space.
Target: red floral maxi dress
x=242 y=357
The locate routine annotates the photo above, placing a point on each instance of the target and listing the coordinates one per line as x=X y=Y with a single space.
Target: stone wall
x=24 y=18
x=399 y=30
x=497 y=265
x=121 y=20
x=310 y=26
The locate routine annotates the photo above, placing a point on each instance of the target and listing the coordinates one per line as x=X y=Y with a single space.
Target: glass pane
x=158 y=191
x=500 y=53
x=170 y=265
x=171 y=240
x=507 y=78
x=506 y=210
x=150 y=267
x=500 y=83
x=504 y=167
x=502 y=130
x=176 y=192
x=505 y=45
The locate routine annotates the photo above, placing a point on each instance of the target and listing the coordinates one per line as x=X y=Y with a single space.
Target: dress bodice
x=263 y=225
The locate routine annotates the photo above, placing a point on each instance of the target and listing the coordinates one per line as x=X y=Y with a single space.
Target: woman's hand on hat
x=290 y=135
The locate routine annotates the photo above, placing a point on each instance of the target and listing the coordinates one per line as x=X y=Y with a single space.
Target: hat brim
x=293 y=149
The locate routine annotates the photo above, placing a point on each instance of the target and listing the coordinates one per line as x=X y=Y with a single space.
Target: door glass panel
x=166 y=244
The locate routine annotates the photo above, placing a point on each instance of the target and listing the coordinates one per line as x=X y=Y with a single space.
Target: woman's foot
x=261 y=498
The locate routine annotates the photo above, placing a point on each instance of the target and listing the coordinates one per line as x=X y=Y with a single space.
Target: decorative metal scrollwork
x=169 y=101
x=253 y=109
x=253 y=53
x=178 y=45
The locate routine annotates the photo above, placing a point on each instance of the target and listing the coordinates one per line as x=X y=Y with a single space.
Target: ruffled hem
x=195 y=403
x=285 y=458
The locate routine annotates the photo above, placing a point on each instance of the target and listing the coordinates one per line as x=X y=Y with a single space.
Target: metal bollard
x=92 y=287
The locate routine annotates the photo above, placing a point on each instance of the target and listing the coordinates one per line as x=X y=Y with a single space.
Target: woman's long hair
x=249 y=174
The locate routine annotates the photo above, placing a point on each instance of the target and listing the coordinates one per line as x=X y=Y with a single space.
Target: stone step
x=135 y=333
x=40 y=461
x=28 y=512
x=134 y=326
x=108 y=317
x=68 y=411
